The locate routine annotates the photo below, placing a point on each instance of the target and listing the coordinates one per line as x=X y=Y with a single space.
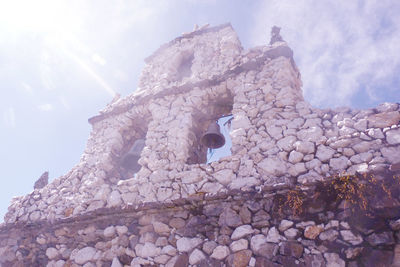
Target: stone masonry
x=179 y=211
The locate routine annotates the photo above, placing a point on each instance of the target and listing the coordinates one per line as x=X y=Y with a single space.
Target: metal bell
x=130 y=160
x=213 y=137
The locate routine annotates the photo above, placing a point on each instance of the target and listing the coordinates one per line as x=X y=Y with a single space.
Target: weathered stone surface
x=267 y=250
x=241 y=121
x=230 y=218
x=109 y=231
x=396 y=258
x=52 y=253
x=238 y=245
x=147 y=250
x=395 y=225
x=224 y=177
x=314 y=260
x=342 y=143
x=84 y=255
x=353 y=239
x=305 y=147
x=246 y=182
x=295 y=157
x=381 y=239
x=352 y=253
x=284 y=225
x=239 y=259
x=209 y=246
x=361 y=125
x=386 y=107
x=177 y=223
x=241 y=231
x=114 y=199
x=263 y=262
x=392 y=154
x=324 y=153
x=116 y=263
x=121 y=229
x=245 y=215
x=182 y=260
x=393 y=136
x=297 y=169
x=291 y=233
x=293 y=249
x=170 y=250
x=220 y=252
x=338 y=163
x=312 y=134
x=329 y=235
x=376 y=258
x=196 y=256
x=162 y=259
x=160 y=227
x=257 y=241
x=384 y=119
x=309 y=177
x=185 y=244
x=312 y=231
x=273 y=235
x=333 y=260
x=272 y=166
x=286 y=143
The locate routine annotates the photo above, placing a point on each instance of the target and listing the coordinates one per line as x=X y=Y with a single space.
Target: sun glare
x=41 y=16
x=59 y=22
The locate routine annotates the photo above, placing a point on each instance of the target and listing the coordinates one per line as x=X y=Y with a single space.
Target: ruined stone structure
x=264 y=205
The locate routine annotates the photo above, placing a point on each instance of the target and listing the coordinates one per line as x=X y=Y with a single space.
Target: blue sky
x=62 y=61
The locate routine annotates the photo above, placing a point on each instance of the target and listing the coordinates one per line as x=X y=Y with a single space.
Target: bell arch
x=207 y=131
x=127 y=162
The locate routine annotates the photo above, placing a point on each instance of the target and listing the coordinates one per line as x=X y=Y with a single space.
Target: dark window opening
x=185 y=65
x=128 y=162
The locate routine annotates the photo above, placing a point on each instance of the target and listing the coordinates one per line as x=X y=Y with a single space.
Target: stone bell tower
x=142 y=193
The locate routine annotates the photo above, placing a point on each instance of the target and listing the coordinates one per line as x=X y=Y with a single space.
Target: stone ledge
x=195 y=200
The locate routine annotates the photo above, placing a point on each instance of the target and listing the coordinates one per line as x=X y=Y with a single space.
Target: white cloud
x=9 y=117
x=45 y=107
x=340 y=46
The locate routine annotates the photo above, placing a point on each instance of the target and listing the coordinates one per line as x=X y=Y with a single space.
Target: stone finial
x=275 y=36
x=42 y=181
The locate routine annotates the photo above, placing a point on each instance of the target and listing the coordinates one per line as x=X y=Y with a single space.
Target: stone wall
x=278 y=139
x=231 y=229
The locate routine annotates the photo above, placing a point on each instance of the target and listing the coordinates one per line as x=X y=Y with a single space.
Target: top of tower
x=275 y=35
x=194 y=56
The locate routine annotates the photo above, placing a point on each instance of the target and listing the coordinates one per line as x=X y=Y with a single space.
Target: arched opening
x=221 y=112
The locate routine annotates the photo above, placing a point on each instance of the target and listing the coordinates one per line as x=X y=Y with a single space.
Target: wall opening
x=220 y=111
x=128 y=161
x=224 y=151
x=185 y=62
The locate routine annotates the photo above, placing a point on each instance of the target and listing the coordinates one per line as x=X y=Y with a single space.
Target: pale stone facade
x=278 y=139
